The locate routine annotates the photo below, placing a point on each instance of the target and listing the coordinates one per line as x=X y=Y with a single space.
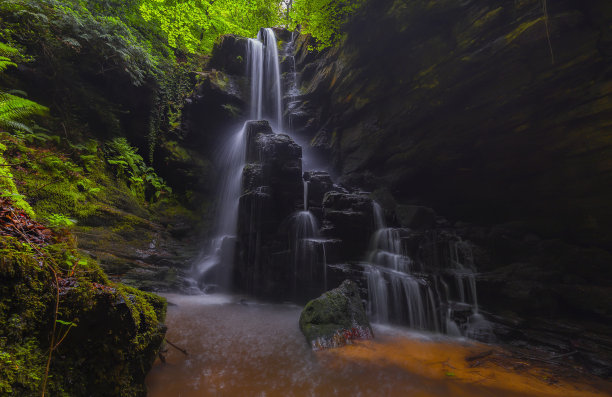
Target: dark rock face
x=228 y=54
x=272 y=191
x=217 y=105
x=335 y=318
x=319 y=183
x=348 y=218
x=280 y=160
x=415 y=217
x=460 y=107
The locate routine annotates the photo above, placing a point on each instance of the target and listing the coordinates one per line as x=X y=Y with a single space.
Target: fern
x=6 y=52
x=130 y=165
x=15 y=111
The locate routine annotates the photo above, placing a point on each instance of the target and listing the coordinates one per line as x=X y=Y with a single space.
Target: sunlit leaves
x=323 y=18
x=194 y=25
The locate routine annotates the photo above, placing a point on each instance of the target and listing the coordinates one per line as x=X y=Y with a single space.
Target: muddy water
x=252 y=349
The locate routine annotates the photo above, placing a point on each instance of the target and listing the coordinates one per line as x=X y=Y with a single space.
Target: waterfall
x=436 y=293
x=389 y=277
x=266 y=101
x=215 y=265
x=255 y=71
x=396 y=293
x=306 y=195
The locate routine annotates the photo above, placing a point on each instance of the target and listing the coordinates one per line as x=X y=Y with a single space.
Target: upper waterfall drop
x=264 y=71
x=272 y=75
x=254 y=70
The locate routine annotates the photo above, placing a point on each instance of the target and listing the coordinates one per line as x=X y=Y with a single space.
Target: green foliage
x=6 y=53
x=130 y=166
x=15 y=111
x=8 y=187
x=195 y=25
x=54 y=182
x=68 y=26
x=174 y=86
x=60 y=221
x=323 y=18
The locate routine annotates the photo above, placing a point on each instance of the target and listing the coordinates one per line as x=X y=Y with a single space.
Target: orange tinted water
x=258 y=350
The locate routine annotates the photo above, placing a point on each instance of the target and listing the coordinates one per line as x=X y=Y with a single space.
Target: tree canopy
x=194 y=25
x=322 y=18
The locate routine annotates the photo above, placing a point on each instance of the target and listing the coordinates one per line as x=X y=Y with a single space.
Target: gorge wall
x=462 y=106
x=494 y=114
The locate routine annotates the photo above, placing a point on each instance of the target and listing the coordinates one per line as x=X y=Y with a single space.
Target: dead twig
x=177 y=348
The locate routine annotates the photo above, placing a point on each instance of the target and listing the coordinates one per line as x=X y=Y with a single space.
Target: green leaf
x=69 y=323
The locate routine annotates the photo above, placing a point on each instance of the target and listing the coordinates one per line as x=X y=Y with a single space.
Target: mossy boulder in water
x=335 y=318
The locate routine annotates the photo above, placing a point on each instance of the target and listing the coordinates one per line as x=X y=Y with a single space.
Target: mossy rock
x=335 y=318
x=118 y=330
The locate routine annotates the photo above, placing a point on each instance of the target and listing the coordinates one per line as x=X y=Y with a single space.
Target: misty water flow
x=439 y=296
x=215 y=266
x=392 y=285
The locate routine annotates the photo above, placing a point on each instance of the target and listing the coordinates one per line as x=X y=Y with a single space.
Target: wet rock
x=339 y=201
x=217 y=105
x=335 y=318
x=415 y=217
x=229 y=54
x=272 y=192
x=319 y=183
x=348 y=217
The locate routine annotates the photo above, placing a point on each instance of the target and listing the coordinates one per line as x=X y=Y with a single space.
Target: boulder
x=335 y=318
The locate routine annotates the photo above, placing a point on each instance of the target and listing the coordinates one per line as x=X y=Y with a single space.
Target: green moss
x=522 y=28
x=8 y=187
x=118 y=333
x=488 y=17
x=176 y=151
x=335 y=310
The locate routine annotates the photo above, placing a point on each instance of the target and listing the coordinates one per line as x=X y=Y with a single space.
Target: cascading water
x=255 y=65
x=438 y=294
x=267 y=90
x=216 y=263
x=266 y=103
x=395 y=293
x=308 y=247
x=215 y=266
x=399 y=288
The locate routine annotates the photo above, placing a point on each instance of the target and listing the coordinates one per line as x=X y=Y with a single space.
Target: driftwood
x=176 y=347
